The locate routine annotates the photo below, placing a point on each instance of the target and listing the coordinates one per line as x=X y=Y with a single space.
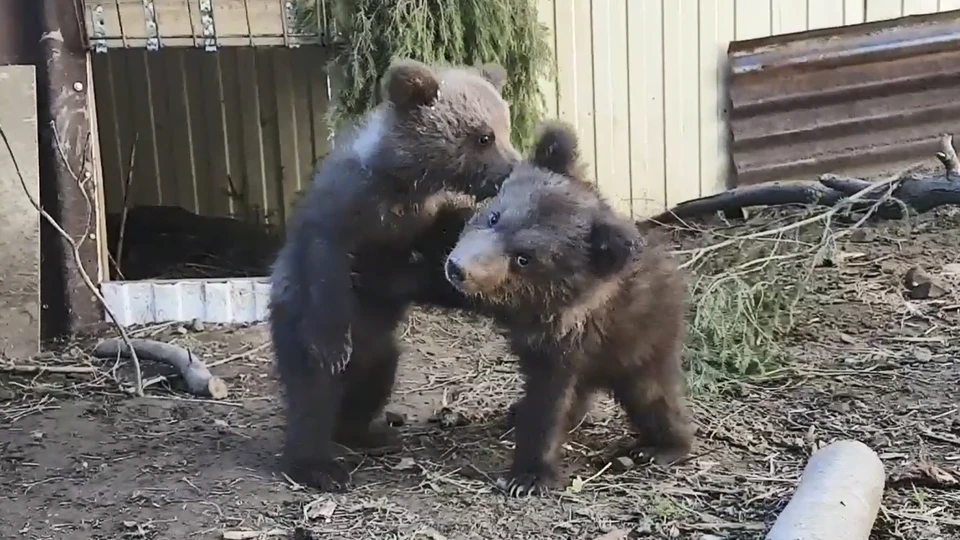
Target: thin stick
x=78 y=260
x=126 y=197
x=24 y=369
x=238 y=356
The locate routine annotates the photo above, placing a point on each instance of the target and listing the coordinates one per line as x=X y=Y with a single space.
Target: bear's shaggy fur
x=588 y=303
x=335 y=301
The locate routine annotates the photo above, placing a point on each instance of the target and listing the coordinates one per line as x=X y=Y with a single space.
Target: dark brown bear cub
x=344 y=279
x=589 y=305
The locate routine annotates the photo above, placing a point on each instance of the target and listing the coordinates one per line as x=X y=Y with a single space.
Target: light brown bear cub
x=589 y=304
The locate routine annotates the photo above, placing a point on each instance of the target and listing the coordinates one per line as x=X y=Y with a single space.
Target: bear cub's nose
x=454 y=271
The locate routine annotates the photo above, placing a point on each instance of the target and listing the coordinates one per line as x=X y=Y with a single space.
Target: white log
x=838 y=496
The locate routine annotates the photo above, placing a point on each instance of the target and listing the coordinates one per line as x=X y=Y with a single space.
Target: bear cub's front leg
x=541 y=422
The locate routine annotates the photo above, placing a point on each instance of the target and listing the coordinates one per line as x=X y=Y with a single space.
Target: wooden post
x=68 y=178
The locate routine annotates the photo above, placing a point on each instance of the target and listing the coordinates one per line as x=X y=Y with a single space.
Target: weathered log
x=198 y=379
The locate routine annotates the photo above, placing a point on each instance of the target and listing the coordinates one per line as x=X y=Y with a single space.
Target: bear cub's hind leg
x=656 y=412
x=369 y=382
x=313 y=396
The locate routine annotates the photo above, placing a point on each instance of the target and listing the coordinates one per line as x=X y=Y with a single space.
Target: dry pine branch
x=194 y=372
x=920 y=193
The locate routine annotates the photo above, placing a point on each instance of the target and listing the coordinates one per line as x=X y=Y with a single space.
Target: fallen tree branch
x=921 y=193
x=27 y=369
x=75 y=252
x=194 y=372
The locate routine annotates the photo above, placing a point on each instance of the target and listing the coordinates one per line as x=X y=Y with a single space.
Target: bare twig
x=26 y=369
x=874 y=186
x=78 y=260
x=126 y=198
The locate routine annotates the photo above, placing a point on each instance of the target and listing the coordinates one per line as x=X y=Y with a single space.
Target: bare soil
x=79 y=460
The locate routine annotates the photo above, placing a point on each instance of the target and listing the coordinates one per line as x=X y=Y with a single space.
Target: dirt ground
x=81 y=461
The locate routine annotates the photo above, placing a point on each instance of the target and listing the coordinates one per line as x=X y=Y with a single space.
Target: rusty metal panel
x=860 y=97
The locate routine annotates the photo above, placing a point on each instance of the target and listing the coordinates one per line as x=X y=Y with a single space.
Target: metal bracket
x=99 y=30
x=290 y=23
x=206 y=22
x=150 y=24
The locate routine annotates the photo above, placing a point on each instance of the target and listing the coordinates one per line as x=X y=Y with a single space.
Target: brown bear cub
x=344 y=278
x=588 y=303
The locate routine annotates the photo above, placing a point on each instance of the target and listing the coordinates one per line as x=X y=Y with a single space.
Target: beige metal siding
x=645 y=82
x=234 y=132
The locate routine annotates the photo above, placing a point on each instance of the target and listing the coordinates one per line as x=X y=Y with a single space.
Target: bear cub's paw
x=375 y=436
x=325 y=475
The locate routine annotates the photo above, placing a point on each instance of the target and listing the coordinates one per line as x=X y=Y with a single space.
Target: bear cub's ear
x=495 y=74
x=612 y=243
x=556 y=148
x=409 y=84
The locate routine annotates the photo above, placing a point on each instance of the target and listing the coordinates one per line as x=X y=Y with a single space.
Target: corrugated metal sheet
x=855 y=98
x=240 y=300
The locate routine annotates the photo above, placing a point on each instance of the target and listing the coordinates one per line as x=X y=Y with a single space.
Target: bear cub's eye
x=486 y=139
x=493 y=219
x=521 y=260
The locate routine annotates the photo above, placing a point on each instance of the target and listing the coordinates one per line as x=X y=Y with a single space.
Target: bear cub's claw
x=327 y=475
x=526 y=483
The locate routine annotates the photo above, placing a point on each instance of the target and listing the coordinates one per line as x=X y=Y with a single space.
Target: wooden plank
x=919 y=7
x=19 y=220
x=254 y=202
x=824 y=14
x=681 y=100
x=645 y=58
x=788 y=16
x=583 y=61
x=881 y=10
x=288 y=131
x=854 y=12
x=716 y=32
x=548 y=86
x=183 y=144
x=753 y=18
x=611 y=91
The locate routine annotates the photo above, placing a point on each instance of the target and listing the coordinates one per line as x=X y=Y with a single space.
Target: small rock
x=431 y=533
x=888 y=266
x=405 y=464
x=181 y=330
x=395 y=419
x=196 y=325
x=448 y=418
x=840 y=407
x=920 y=286
x=862 y=235
x=622 y=464
x=922 y=354
x=300 y=533
x=320 y=510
